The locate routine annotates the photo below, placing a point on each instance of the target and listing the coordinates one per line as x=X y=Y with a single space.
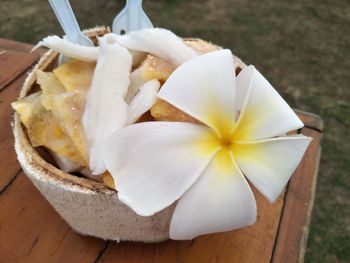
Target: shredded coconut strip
x=157 y=41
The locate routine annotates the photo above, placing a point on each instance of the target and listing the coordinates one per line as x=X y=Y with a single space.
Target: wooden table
x=32 y=231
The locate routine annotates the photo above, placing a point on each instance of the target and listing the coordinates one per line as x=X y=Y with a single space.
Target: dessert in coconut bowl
x=147 y=136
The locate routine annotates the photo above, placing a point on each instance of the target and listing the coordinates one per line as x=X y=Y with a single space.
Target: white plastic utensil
x=131 y=18
x=69 y=24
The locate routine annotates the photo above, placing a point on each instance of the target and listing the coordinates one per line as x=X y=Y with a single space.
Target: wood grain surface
x=32 y=231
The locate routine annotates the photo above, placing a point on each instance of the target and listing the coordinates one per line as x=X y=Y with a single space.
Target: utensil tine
x=69 y=23
x=131 y=18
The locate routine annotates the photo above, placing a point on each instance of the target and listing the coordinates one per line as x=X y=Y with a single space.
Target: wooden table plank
x=14 y=64
x=294 y=226
x=9 y=165
x=138 y=252
x=311 y=120
x=32 y=231
x=225 y=247
x=19 y=46
x=10 y=70
x=15 y=59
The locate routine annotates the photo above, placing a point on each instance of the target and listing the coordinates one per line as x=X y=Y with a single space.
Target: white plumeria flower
x=156 y=163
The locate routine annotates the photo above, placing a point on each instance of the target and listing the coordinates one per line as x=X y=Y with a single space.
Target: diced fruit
x=163 y=111
x=66 y=107
x=51 y=89
x=156 y=68
x=43 y=129
x=75 y=75
x=108 y=180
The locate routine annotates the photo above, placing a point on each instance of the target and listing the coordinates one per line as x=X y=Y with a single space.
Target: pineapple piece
x=163 y=111
x=108 y=180
x=51 y=88
x=66 y=107
x=75 y=74
x=156 y=68
x=43 y=129
x=71 y=106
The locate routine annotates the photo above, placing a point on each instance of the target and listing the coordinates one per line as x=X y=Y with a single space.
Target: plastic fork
x=69 y=24
x=131 y=18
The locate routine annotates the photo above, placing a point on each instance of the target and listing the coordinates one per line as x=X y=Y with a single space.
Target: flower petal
x=264 y=113
x=154 y=163
x=243 y=83
x=105 y=109
x=220 y=200
x=204 y=87
x=143 y=100
x=158 y=41
x=69 y=49
x=269 y=163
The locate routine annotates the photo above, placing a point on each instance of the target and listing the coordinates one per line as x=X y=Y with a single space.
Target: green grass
x=301 y=46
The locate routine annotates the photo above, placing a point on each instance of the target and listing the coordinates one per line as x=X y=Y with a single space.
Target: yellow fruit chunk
x=43 y=129
x=156 y=68
x=160 y=69
x=163 y=111
x=75 y=75
x=66 y=107
x=51 y=88
x=108 y=180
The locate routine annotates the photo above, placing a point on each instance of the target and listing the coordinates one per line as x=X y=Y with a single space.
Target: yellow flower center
x=223 y=159
x=222 y=145
x=226 y=143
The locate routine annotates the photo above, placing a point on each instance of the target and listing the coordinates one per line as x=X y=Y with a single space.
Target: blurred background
x=301 y=46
